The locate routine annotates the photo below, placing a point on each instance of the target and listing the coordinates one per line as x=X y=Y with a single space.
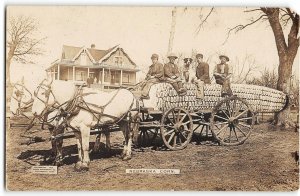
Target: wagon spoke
x=224 y=133
x=170 y=120
x=247 y=118
x=220 y=117
x=221 y=130
x=174 y=141
x=241 y=130
x=188 y=122
x=179 y=139
x=201 y=130
x=228 y=107
x=247 y=126
x=167 y=133
x=225 y=113
x=235 y=133
x=147 y=134
x=181 y=120
x=241 y=114
x=178 y=116
x=168 y=126
x=230 y=129
x=183 y=136
x=222 y=123
x=173 y=113
x=233 y=107
x=153 y=132
x=171 y=137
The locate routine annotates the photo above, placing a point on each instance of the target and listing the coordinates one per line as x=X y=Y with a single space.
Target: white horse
x=96 y=108
x=22 y=99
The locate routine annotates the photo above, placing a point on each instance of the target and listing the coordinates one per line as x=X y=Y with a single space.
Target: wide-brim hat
x=224 y=56
x=172 y=55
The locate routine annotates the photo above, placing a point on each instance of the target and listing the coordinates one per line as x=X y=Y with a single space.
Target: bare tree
x=287 y=48
x=21 y=41
x=243 y=69
x=172 y=31
x=267 y=78
x=203 y=20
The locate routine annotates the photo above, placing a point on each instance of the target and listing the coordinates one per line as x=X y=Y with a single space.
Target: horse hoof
x=126 y=158
x=77 y=166
x=85 y=167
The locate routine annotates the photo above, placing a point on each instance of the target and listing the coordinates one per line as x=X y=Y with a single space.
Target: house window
x=118 y=60
x=83 y=58
x=80 y=76
x=126 y=77
x=106 y=76
x=115 y=77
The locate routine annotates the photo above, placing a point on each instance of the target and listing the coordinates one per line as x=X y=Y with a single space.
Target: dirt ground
x=262 y=163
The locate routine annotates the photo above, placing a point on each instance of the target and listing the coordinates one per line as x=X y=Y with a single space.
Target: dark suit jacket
x=202 y=72
x=156 y=70
x=170 y=70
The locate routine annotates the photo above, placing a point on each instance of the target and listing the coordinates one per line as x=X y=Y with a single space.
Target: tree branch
x=204 y=21
x=241 y=27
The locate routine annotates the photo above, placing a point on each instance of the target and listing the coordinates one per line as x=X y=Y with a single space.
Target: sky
x=141 y=31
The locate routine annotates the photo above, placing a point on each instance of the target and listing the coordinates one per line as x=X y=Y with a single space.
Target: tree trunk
x=8 y=62
x=172 y=31
x=286 y=54
x=282 y=118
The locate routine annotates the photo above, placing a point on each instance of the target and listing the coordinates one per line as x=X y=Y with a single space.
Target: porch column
x=68 y=73
x=58 y=71
x=121 y=79
x=73 y=73
x=102 y=78
x=88 y=75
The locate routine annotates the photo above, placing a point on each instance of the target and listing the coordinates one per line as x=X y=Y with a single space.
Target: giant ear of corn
x=260 y=99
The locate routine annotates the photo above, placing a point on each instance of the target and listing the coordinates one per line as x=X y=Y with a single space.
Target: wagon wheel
x=146 y=134
x=232 y=121
x=177 y=128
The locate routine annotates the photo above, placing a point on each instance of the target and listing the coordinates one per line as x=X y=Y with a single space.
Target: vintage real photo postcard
x=152 y=98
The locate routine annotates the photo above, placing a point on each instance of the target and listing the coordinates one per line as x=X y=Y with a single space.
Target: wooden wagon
x=230 y=119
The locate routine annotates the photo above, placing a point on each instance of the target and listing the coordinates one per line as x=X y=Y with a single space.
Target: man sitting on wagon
x=154 y=75
x=202 y=76
x=222 y=74
x=172 y=75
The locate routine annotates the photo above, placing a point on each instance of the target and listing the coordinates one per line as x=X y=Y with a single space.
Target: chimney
x=93 y=46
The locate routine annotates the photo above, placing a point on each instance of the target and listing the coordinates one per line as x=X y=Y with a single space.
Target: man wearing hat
x=222 y=74
x=202 y=75
x=202 y=70
x=154 y=75
x=172 y=75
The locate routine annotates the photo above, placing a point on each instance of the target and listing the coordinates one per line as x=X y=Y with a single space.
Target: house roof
x=71 y=52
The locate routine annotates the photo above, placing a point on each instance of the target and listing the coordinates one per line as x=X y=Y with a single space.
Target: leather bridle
x=48 y=93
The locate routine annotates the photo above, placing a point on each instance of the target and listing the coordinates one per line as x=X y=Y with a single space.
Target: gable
x=84 y=58
x=119 y=58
